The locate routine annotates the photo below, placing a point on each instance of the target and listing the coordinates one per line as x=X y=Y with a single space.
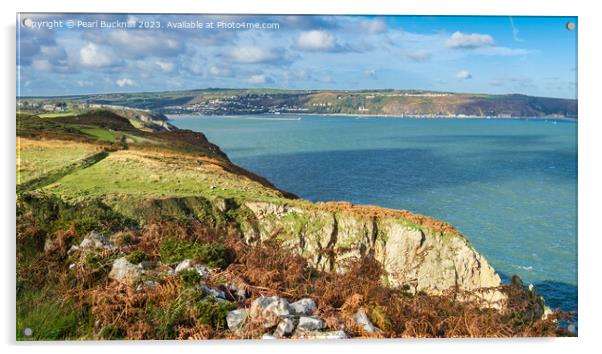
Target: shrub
x=211 y=254
x=213 y=313
x=190 y=277
x=137 y=257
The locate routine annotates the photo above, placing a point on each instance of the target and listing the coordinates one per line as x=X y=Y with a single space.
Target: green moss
x=213 y=254
x=137 y=256
x=190 y=277
x=213 y=313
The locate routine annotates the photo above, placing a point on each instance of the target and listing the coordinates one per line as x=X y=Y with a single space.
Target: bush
x=137 y=257
x=211 y=254
x=190 y=277
x=213 y=313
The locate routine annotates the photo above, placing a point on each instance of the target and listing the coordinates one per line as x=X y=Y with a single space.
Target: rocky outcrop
x=429 y=256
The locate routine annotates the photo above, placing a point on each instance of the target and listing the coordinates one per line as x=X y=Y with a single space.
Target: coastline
x=359 y=115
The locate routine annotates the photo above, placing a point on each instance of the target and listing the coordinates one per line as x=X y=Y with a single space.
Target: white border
x=590 y=174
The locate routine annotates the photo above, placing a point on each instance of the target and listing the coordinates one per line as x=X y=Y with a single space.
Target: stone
x=268 y=336
x=125 y=272
x=148 y=284
x=216 y=293
x=236 y=318
x=237 y=291
x=303 y=307
x=185 y=264
x=285 y=327
x=361 y=318
x=307 y=323
x=95 y=240
x=319 y=335
x=270 y=310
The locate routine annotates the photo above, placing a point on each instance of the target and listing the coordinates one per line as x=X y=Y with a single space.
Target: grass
x=36 y=158
x=212 y=255
x=101 y=134
x=60 y=114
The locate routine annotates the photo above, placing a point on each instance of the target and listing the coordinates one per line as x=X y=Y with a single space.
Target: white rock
x=270 y=310
x=268 y=336
x=303 y=307
x=216 y=293
x=236 y=318
x=310 y=323
x=125 y=272
x=185 y=264
x=285 y=327
x=95 y=240
x=362 y=318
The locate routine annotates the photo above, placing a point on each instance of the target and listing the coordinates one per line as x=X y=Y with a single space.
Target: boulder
x=125 y=272
x=236 y=318
x=303 y=307
x=285 y=327
x=308 y=323
x=95 y=240
x=362 y=319
x=270 y=310
x=216 y=293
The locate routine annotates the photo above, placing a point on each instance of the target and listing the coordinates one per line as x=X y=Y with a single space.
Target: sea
x=509 y=185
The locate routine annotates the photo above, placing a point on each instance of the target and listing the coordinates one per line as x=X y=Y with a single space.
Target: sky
x=66 y=54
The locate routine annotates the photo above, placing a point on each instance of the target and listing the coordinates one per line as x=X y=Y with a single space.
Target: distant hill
x=413 y=103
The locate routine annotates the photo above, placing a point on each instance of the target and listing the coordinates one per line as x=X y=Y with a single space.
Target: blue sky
x=528 y=55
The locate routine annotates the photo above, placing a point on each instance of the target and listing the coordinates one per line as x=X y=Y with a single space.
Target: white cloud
x=463 y=75
x=316 y=41
x=91 y=56
x=125 y=82
x=258 y=79
x=373 y=26
x=252 y=55
x=219 y=71
x=419 y=55
x=459 y=40
x=41 y=65
x=165 y=66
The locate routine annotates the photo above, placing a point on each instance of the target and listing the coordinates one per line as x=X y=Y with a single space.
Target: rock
x=125 y=272
x=95 y=240
x=48 y=244
x=307 y=323
x=319 y=335
x=270 y=310
x=147 y=265
x=285 y=327
x=361 y=318
x=303 y=307
x=72 y=250
x=185 y=264
x=268 y=336
x=216 y=293
x=236 y=318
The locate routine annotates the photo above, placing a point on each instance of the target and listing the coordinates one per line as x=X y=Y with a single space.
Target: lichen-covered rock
x=362 y=319
x=285 y=327
x=303 y=307
x=95 y=240
x=269 y=310
x=308 y=323
x=125 y=272
x=236 y=318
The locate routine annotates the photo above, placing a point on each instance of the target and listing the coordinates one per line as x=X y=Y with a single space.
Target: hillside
x=126 y=233
x=413 y=103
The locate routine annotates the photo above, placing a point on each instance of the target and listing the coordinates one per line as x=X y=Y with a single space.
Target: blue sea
x=510 y=185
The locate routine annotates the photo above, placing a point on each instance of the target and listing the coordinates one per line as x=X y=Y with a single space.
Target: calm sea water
x=509 y=185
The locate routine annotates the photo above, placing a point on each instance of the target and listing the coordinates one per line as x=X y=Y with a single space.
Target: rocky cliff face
x=417 y=257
